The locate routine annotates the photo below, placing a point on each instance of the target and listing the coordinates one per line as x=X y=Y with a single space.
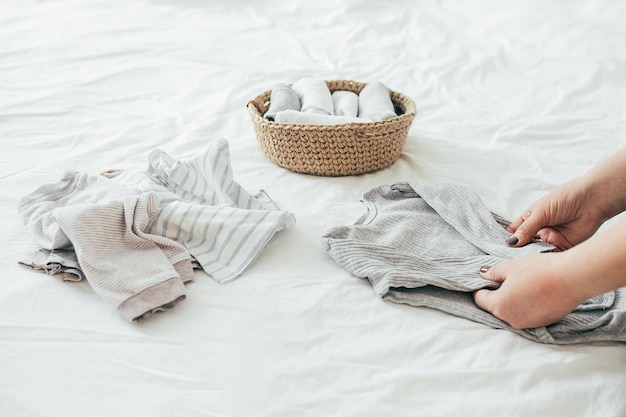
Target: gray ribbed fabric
x=423 y=245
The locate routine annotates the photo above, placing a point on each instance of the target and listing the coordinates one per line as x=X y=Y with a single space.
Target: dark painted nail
x=484 y=269
x=512 y=240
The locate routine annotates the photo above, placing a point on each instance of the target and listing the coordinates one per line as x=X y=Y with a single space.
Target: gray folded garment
x=282 y=98
x=314 y=96
x=375 y=102
x=423 y=245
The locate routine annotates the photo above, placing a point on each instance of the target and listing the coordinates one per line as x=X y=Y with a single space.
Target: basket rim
x=256 y=105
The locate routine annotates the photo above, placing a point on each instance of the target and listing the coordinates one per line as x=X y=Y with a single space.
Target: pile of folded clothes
x=309 y=101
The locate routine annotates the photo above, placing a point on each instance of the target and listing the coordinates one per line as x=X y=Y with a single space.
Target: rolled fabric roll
x=375 y=102
x=282 y=97
x=314 y=96
x=298 y=117
x=345 y=103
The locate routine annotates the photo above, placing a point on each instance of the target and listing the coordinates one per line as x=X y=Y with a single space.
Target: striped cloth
x=223 y=226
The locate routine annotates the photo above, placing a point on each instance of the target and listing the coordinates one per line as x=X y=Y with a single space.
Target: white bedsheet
x=513 y=98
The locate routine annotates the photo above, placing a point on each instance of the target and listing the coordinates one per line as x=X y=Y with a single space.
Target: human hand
x=565 y=217
x=532 y=293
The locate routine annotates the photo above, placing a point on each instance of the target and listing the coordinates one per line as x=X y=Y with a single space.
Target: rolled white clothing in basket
x=314 y=96
x=282 y=98
x=375 y=102
x=298 y=117
x=345 y=103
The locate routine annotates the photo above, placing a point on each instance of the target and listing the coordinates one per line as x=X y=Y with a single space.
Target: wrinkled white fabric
x=512 y=99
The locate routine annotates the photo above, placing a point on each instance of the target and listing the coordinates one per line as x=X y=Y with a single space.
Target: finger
x=554 y=237
x=484 y=299
x=492 y=273
x=515 y=224
x=527 y=229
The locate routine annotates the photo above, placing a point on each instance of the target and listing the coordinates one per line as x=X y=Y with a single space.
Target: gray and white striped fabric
x=423 y=245
x=202 y=207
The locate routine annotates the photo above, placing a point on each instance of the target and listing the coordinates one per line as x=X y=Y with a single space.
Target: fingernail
x=512 y=240
x=484 y=269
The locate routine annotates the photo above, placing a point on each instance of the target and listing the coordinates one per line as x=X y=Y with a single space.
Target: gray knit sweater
x=423 y=245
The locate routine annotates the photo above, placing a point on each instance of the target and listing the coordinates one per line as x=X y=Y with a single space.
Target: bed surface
x=513 y=98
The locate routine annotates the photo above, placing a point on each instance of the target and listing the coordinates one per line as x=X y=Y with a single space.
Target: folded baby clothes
x=105 y=224
x=375 y=102
x=298 y=117
x=345 y=103
x=314 y=95
x=423 y=245
x=282 y=97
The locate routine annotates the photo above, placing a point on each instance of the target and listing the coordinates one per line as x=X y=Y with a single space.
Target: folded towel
x=282 y=97
x=314 y=96
x=292 y=116
x=375 y=102
x=346 y=103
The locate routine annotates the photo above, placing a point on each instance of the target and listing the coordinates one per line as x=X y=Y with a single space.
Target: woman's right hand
x=565 y=217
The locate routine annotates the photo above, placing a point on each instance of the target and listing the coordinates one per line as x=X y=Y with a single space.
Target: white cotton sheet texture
x=514 y=98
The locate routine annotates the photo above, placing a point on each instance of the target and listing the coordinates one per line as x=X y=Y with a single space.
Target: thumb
x=525 y=228
x=484 y=298
x=492 y=273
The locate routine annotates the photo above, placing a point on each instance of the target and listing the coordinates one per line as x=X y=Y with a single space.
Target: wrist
x=571 y=278
x=597 y=198
x=596 y=265
x=604 y=186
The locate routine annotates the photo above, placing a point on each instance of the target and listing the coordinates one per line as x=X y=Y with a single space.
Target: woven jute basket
x=336 y=150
